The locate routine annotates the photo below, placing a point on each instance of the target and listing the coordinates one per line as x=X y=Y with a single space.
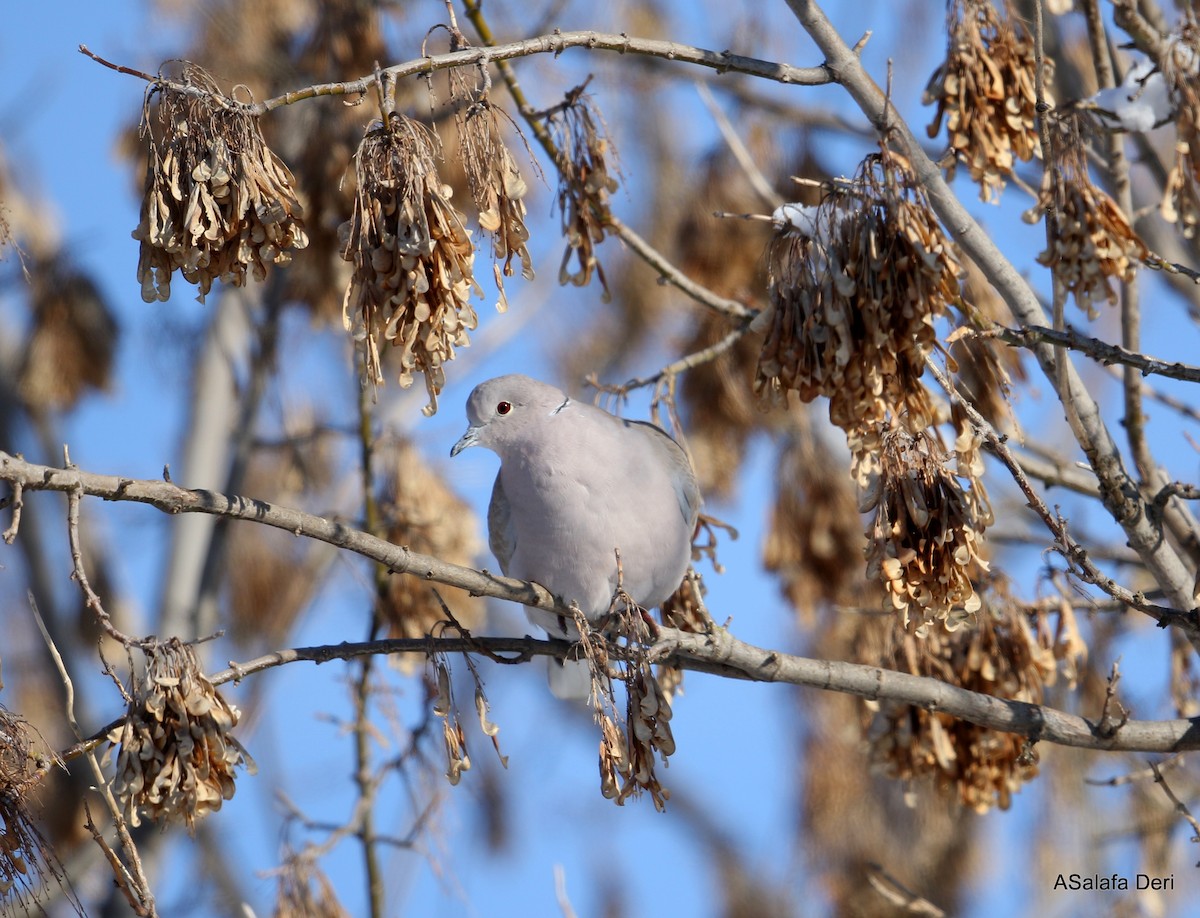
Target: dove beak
x=470 y=438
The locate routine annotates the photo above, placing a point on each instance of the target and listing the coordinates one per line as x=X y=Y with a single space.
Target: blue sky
x=59 y=115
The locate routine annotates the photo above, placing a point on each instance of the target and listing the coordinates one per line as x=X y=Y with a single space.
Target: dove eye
x=503 y=408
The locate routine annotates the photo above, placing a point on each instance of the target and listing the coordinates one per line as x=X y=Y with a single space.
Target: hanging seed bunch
x=1181 y=70
x=855 y=284
x=985 y=367
x=218 y=202
x=925 y=530
x=304 y=891
x=986 y=91
x=721 y=408
x=453 y=737
x=587 y=174
x=72 y=340
x=1010 y=655
x=1093 y=241
x=178 y=753
x=28 y=865
x=422 y=513
x=629 y=745
x=493 y=177
x=329 y=41
x=412 y=257
x=814 y=526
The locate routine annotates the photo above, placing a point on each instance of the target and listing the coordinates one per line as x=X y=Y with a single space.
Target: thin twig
x=754 y=175
x=1029 y=336
x=897 y=894
x=1133 y=777
x=673 y=276
x=1180 y=806
x=554 y=44
x=90 y=599
x=682 y=365
x=361 y=690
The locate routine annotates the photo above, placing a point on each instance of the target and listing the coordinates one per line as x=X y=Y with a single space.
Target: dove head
x=503 y=410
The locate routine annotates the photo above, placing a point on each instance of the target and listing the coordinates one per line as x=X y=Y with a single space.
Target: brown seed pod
x=218 y=202
x=856 y=283
x=586 y=177
x=1181 y=70
x=29 y=868
x=412 y=257
x=73 y=338
x=986 y=92
x=497 y=187
x=925 y=531
x=178 y=753
x=1013 y=653
x=422 y=513
x=814 y=526
x=1093 y=241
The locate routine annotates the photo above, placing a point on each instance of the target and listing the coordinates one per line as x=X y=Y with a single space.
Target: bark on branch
x=718 y=653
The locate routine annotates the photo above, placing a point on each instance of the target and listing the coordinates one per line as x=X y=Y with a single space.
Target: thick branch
x=556 y=43
x=719 y=653
x=724 y=655
x=170 y=498
x=1100 y=351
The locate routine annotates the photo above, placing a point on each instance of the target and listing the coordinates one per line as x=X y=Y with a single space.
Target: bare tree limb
x=719 y=653
x=1101 y=351
x=723 y=655
x=555 y=44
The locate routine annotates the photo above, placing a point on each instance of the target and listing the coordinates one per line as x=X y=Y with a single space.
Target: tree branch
x=170 y=498
x=719 y=653
x=556 y=44
x=1101 y=351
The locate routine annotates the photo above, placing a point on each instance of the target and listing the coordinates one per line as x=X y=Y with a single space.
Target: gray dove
x=575 y=485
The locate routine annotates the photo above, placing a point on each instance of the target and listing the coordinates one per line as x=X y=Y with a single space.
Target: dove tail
x=570 y=680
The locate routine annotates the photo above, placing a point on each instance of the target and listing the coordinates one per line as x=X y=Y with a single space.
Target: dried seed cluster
x=1181 y=70
x=1093 y=241
x=73 y=338
x=453 y=737
x=986 y=91
x=497 y=187
x=28 y=865
x=1010 y=655
x=178 y=754
x=630 y=744
x=720 y=404
x=422 y=513
x=985 y=367
x=855 y=285
x=684 y=609
x=627 y=757
x=412 y=257
x=218 y=202
x=586 y=177
x=304 y=891
x=814 y=526
x=925 y=530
